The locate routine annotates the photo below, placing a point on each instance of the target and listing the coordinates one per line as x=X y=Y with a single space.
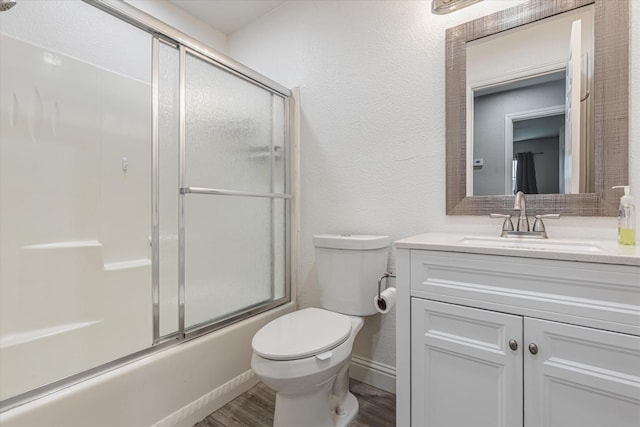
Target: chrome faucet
x=520 y=205
x=522 y=229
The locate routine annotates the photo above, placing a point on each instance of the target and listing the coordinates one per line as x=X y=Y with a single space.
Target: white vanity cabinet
x=495 y=340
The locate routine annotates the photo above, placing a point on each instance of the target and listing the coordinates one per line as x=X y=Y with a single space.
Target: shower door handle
x=219 y=192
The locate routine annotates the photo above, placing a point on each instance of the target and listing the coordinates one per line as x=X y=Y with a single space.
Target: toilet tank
x=349 y=267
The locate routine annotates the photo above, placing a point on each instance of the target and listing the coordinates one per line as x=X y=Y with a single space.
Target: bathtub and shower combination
x=141 y=173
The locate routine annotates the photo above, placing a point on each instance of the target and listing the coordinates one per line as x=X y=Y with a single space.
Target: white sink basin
x=531 y=243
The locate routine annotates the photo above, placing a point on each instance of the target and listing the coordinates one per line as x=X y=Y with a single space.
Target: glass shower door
x=234 y=199
x=144 y=193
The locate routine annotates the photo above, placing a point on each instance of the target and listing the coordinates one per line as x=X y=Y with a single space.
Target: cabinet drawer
x=599 y=295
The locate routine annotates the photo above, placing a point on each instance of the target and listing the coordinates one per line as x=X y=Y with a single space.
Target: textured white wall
x=373 y=136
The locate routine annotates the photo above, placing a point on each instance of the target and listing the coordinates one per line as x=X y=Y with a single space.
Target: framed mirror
x=583 y=172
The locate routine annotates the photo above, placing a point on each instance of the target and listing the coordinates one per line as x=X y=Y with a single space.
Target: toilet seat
x=301 y=334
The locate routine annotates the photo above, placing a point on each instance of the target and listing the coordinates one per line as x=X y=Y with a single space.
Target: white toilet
x=305 y=355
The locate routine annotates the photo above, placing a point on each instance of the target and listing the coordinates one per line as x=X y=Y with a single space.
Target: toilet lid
x=301 y=334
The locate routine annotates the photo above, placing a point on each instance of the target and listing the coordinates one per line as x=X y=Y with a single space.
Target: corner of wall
x=180 y=19
x=294 y=135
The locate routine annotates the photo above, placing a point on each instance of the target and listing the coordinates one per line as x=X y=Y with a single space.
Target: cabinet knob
x=513 y=344
x=533 y=348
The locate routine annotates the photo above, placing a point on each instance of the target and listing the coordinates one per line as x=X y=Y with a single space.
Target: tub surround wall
x=373 y=126
x=75 y=222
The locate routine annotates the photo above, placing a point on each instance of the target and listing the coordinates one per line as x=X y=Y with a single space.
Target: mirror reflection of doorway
x=520 y=70
x=541 y=138
x=495 y=110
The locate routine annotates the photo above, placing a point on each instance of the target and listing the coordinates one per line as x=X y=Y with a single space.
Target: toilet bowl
x=305 y=355
x=311 y=384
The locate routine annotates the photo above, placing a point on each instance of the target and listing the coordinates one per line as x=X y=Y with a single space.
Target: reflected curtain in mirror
x=525 y=174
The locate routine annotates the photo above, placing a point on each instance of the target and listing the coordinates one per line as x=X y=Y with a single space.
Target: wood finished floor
x=254 y=408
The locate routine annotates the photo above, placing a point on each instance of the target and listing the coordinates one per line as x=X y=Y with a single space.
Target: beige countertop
x=595 y=251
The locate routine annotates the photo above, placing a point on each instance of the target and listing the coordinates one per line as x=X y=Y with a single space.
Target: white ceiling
x=228 y=16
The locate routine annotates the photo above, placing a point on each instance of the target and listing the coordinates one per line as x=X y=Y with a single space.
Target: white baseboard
x=373 y=373
x=195 y=411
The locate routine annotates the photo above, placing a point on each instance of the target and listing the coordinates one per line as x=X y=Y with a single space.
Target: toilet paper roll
x=386 y=301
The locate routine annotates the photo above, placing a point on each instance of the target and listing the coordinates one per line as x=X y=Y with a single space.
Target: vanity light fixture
x=442 y=7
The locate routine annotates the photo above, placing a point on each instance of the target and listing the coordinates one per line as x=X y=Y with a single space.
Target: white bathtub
x=175 y=387
x=40 y=356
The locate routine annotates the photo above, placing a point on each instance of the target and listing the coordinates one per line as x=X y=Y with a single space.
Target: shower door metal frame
x=164 y=33
x=210 y=325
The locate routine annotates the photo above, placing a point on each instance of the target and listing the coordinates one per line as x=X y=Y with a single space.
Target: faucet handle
x=507 y=225
x=538 y=225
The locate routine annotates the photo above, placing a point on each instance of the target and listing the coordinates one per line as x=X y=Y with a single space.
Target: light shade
x=441 y=7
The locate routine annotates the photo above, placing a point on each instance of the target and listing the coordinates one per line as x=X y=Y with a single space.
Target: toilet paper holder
x=383 y=277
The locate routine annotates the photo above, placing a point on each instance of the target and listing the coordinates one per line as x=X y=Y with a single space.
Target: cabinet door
x=580 y=376
x=463 y=371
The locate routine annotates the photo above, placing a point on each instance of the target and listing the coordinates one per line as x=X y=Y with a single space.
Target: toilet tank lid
x=350 y=241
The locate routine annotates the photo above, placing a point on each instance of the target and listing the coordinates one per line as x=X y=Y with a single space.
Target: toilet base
x=314 y=409
x=350 y=406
